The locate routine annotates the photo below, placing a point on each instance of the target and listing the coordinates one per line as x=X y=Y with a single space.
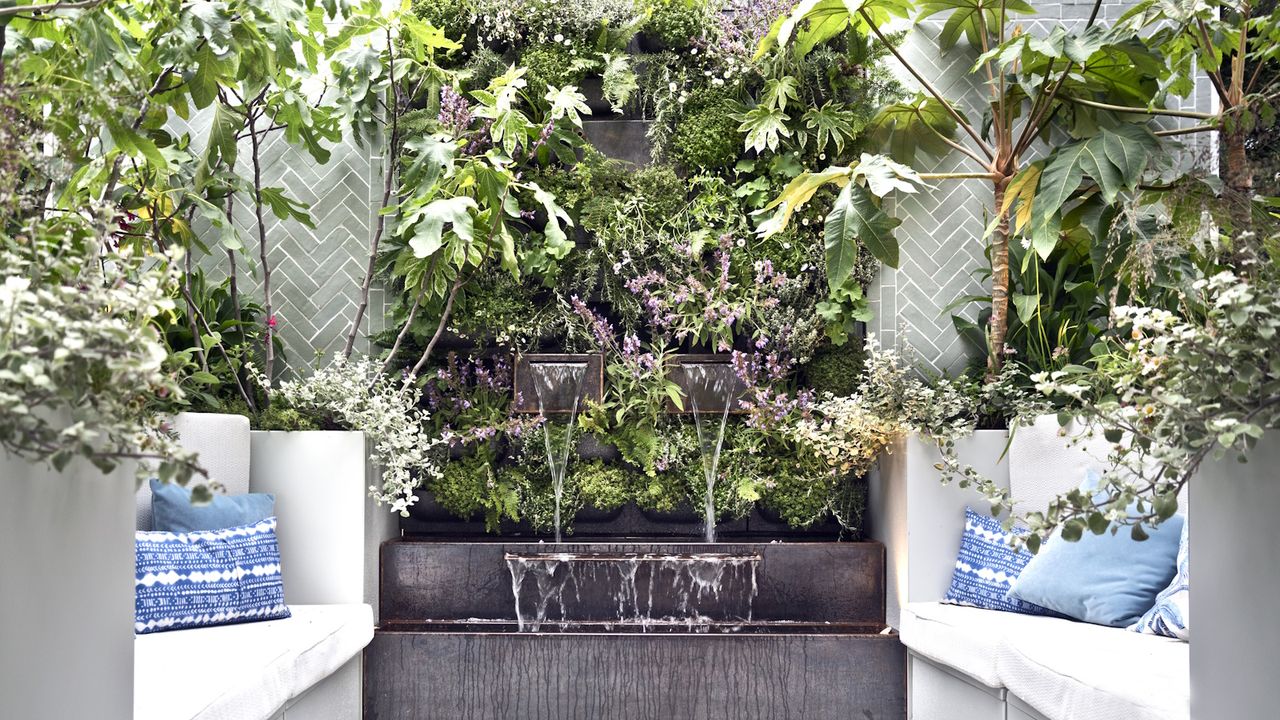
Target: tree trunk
x=1237 y=173
x=999 y=324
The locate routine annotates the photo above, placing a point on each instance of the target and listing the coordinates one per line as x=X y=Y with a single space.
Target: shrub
x=675 y=24
x=707 y=137
x=836 y=369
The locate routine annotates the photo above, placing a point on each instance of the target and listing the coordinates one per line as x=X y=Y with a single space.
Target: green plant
x=470 y=486
x=706 y=136
x=358 y=396
x=675 y=24
x=836 y=370
x=81 y=362
x=1168 y=392
x=550 y=65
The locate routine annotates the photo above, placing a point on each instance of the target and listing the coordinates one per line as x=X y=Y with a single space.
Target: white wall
x=66 y=592
x=1235 y=581
x=919 y=520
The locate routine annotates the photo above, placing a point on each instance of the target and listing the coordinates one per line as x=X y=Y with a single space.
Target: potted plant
x=351 y=430
x=82 y=389
x=1186 y=398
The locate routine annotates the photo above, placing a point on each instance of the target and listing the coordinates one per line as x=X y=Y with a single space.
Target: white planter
x=329 y=528
x=1235 y=580
x=919 y=520
x=66 y=591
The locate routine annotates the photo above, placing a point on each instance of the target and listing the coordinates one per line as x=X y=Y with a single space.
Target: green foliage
x=80 y=357
x=674 y=24
x=706 y=138
x=550 y=66
x=836 y=370
x=469 y=487
x=1171 y=390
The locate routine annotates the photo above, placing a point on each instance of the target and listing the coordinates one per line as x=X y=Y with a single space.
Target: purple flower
x=455 y=113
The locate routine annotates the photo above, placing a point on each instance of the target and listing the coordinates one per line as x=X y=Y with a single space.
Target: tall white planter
x=917 y=518
x=66 y=591
x=329 y=528
x=1235 y=580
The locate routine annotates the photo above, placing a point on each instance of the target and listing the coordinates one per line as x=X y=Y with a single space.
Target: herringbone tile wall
x=316 y=273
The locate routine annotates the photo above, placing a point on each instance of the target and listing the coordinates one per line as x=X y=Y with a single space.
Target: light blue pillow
x=1170 y=615
x=186 y=580
x=987 y=566
x=1102 y=579
x=172 y=511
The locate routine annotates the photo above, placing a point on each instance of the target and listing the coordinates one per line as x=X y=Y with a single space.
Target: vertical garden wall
x=941 y=231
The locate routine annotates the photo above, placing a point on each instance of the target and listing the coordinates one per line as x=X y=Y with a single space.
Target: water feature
x=710 y=388
x=558 y=385
x=637 y=591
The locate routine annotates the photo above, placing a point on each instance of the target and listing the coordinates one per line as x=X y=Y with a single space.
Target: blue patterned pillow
x=1170 y=615
x=987 y=566
x=186 y=580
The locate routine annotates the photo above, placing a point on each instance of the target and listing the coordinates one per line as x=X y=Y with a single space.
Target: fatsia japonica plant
x=466 y=203
x=1032 y=84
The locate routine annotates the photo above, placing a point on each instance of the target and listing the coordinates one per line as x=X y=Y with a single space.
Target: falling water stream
x=715 y=384
x=643 y=592
x=551 y=382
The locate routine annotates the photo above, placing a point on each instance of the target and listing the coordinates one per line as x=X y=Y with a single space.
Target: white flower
x=559 y=37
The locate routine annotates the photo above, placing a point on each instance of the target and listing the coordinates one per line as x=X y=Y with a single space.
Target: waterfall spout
x=710 y=388
x=552 y=382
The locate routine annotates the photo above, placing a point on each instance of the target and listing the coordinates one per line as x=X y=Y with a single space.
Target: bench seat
x=249 y=671
x=1061 y=669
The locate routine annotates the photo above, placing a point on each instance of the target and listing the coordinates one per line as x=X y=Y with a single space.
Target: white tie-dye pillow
x=1170 y=616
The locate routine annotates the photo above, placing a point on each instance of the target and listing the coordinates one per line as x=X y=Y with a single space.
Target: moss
x=601 y=485
x=836 y=369
x=277 y=417
x=707 y=137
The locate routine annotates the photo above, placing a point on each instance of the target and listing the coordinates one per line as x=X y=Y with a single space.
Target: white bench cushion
x=1069 y=671
x=964 y=638
x=247 y=671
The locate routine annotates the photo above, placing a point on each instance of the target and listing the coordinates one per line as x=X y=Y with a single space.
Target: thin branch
x=1169 y=112
x=1186 y=130
x=269 y=350
x=404 y=331
x=955 y=114
x=960 y=176
x=1214 y=75
x=49 y=7
x=952 y=143
x=388 y=181
x=444 y=320
x=1036 y=118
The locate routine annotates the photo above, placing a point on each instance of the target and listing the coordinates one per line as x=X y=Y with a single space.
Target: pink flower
x=272 y=323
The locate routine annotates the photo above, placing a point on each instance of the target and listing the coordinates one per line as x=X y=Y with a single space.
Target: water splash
x=715 y=384
x=551 y=381
x=633 y=591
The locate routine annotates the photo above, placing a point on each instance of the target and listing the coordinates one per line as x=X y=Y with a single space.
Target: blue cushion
x=172 y=511
x=1169 y=616
x=186 y=580
x=987 y=566
x=1102 y=579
